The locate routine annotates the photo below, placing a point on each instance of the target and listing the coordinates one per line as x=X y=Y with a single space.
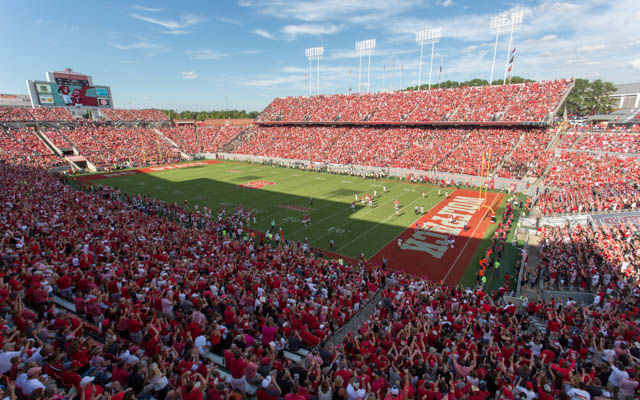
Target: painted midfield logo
x=256 y=184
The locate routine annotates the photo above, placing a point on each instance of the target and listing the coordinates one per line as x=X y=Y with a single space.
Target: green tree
x=473 y=82
x=213 y=114
x=589 y=98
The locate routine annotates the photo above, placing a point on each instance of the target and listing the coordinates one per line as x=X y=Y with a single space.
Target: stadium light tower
x=365 y=48
x=498 y=24
x=515 y=23
x=423 y=37
x=314 y=53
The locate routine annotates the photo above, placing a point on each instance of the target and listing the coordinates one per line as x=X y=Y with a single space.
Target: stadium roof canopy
x=627 y=88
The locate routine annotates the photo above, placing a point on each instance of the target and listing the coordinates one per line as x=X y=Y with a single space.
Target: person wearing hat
x=398 y=391
x=87 y=389
x=29 y=381
x=269 y=389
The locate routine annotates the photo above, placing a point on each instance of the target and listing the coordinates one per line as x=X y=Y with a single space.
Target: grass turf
x=365 y=230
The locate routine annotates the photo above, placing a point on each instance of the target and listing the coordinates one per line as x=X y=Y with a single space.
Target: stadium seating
x=150 y=305
x=132 y=274
x=15 y=114
x=172 y=295
x=202 y=139
x=19 y=114
x=23 y=147
x=450 y=150
x=530 y=158
x=108 y=147
x=51 y=114
x=467 y=157
x=436 y=105
x=589 y=258
x=613 y=141
x=591 y=183
x=523 y=102
x=485 y=103
x=536 y=100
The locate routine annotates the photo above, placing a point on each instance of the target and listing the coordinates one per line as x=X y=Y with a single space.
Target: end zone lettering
x=433 y=241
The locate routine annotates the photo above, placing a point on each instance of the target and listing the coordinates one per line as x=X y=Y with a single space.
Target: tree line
x=214 y=114
x=473 y=82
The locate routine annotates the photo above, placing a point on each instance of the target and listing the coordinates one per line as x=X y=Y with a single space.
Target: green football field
x=365 y=230
x=326 y=197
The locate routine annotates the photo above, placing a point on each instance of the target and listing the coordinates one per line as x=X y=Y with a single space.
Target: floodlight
x=427 y=36
x=365 y=48
x=314 y=53
x=501 y=23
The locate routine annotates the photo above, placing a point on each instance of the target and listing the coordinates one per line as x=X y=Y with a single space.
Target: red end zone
x=427 y=253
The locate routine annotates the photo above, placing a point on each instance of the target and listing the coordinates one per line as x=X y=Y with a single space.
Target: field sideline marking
x=378 y=223
x=352 y=220
x=469 y=239
x=333 y=215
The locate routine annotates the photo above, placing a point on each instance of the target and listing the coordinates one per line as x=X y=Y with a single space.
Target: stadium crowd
x=202 y=139
x=488 y=145
x=110 y=148
x=523 y=102
x=485 y=103
x=598 y=259
x=588 y=182
x=536 y=100
x=23 y=147
x=617 y=142
x=530 y=157
x=163 y=285
x=108 y=296
x=161 y=295
x=21 y=114
x=447 y=149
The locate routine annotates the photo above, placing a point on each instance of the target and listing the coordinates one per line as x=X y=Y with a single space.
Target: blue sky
x=202 y=54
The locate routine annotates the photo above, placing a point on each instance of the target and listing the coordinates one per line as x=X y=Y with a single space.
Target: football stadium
x=460 y=240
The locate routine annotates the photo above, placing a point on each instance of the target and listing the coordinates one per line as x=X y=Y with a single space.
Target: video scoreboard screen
x=69 y=89
x=67 y=94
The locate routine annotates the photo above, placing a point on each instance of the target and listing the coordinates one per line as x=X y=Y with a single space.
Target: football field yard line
x=334 y=215
x=335 y=200
x=469 y=239
x=378 y=223
x=350 y=221
x=322 y=186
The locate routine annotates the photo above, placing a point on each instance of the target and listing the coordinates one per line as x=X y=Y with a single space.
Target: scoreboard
x=69 y=89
